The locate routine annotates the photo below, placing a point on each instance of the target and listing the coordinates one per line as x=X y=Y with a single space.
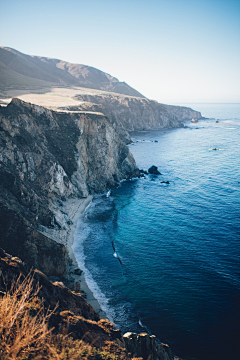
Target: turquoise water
x=165 y=258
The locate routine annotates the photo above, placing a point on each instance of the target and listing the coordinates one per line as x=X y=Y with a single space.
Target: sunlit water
x=165 y=258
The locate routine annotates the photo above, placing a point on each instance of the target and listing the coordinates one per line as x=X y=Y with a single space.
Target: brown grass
x=23 y=324
x=25 y=333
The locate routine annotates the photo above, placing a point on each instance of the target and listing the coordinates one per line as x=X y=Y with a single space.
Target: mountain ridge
x=21 y=70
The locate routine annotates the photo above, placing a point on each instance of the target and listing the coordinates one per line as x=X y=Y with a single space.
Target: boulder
x=154 y=170
x=78 y=271
x=143 y=172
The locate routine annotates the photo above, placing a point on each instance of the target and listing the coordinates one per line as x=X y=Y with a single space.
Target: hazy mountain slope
x=20 y=70
x=13 y=80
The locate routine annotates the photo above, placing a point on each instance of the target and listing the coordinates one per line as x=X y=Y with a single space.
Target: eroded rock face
x=19 y=237
x=47 y=157
x=136 y=114
x=146 y=346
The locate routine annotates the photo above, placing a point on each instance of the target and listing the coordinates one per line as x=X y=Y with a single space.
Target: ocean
x=165 y=258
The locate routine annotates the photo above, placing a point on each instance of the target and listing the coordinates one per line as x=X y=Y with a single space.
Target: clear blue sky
x=170 y=50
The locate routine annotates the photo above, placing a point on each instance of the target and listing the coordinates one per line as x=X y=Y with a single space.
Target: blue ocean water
x=165 y=258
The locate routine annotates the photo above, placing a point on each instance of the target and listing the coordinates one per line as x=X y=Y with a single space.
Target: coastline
x=74 y=208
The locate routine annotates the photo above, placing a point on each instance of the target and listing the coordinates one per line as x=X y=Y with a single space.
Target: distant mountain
x=18 y=70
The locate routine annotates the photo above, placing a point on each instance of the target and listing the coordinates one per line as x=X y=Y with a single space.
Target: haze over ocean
x=178 y=275
x=168 y=50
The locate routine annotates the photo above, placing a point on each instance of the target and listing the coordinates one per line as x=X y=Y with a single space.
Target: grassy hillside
x=10 y=79
x=18 y=70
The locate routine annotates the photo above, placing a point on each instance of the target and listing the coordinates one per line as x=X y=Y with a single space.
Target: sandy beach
x=74 y=209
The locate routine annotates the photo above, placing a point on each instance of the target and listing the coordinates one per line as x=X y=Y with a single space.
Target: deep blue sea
x=165 y=258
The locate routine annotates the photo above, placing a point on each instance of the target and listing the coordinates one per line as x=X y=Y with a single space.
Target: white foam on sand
x=80 y=235
x=75 y=208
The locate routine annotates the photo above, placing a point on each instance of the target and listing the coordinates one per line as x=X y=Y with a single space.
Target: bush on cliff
x=25 y=332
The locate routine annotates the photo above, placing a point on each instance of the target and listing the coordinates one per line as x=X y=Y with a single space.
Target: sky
x=172 y=51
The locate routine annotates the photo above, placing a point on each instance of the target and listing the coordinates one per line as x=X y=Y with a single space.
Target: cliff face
x=133 y=114
x=47 y=157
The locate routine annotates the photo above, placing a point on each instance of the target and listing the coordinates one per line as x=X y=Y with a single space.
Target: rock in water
x=154 y=170
x=78 y=271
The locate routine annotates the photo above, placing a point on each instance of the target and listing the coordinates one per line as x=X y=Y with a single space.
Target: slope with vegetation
x=44 y=320
x=18 y=70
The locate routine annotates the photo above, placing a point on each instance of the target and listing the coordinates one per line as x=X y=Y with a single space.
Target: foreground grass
x=25 y=332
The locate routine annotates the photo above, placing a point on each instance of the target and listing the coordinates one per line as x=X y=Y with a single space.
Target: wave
x=82 y=232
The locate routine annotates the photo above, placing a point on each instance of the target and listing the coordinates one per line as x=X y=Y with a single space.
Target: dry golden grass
x=23 y=324
x=25 y=333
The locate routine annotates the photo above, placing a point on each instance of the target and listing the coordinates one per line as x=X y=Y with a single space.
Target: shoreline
x=74 y=209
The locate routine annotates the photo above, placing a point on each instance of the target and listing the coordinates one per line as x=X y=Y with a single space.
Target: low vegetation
x=25 y=332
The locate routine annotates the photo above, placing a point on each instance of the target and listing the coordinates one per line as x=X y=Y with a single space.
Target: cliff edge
x=46 y=158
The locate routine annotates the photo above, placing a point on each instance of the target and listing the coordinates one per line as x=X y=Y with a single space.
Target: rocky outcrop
x=73 y=315
x=53 y=294
x=47 y=157
x=20 y=237
x=154 y=170
x=136 y=114
x=146 y=346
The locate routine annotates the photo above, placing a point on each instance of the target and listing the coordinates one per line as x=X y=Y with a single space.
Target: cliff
x=51 y=159
x=46 y=158
x=135 y=114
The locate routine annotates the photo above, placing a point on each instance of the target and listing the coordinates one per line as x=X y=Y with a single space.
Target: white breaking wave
x=81 y=233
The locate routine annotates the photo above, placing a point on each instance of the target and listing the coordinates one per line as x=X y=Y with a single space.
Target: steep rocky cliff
x=135 y=114
x=47 y=157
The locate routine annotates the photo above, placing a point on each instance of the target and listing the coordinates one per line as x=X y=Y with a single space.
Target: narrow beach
x=74 y=209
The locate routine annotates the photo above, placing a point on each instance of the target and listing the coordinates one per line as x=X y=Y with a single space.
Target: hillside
x=19 y=71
